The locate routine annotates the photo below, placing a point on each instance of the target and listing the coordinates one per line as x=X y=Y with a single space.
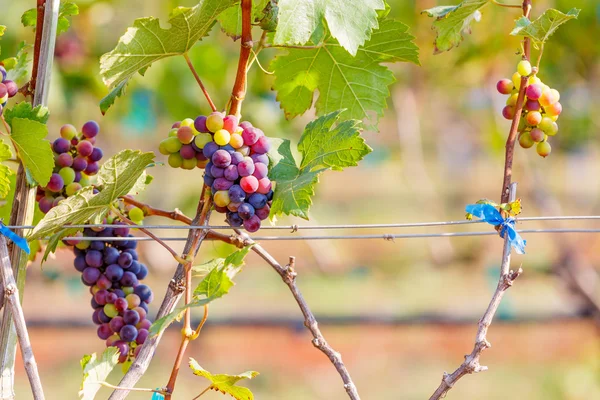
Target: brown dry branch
x=11 y=293
x=471 y=364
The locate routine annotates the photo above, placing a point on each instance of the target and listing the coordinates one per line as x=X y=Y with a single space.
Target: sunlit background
x=401 y=312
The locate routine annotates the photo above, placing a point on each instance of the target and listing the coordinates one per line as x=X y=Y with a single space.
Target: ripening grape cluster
x=234 y=156
x=8 y=89
x=541 y=108
x=75 y=160
x=112 y=271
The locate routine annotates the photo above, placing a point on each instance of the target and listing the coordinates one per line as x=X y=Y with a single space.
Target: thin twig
x=506 y=5
x=172 y=296
x=202 y=392
x=290 y=46
x=11 y=292
x=288 y=274
x=202 y=322
x=39 y=27
x=189 y=63
x=239 y=87
x=471 y=364
x=148 y=210
x=108 y=385
x=261 y=45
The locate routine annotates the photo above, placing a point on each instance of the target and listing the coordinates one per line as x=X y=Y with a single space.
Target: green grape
x=524 y=68
x=173 y=132
x=214 y=122
x=544 y=149
x=84 y=244
x=189 y=163
x=202 y=139
x=175 y=160
x=549 y=126
x=516 y=78
x=85 y=180
x=110 y=310
x=162 y=148
x=72 y=188
x=136 y=215
x=173 y=145
x=187 y=122
x=512 y=99
x=127 y=290
x=525 y=140
x=68 y=175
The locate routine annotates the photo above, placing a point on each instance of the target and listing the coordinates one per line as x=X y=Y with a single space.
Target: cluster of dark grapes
x=540 y=111
x=112 y=271
x=236 y=164
x=8 y=89
x=75 y=160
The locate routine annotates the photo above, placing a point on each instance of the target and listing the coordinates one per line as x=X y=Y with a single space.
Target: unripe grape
x=524 y=68
x=187 y=122
x=68 y=175
x=533 y=105
x=221 y=198
x=236 y=141
x=185 y=134
x=512 y=99
x=516 y=79
x=555 y=94
x=202 y=139
x=173 y=132
x=547 y=98
x=162 y=148
x=136 y=214
x=71 y=189
x=537 y=135
x=189 y=164
x=544 y=149
x=534 y=80
x=214 y=122
x=548 y=126
x=534 y=118
x=175 y=160
x=553 y=109
x=110 y=310
x=533 y=92
x=68 y=131
x=172 y=144
x=505 y=86
x=222 y=137
x=508 y=112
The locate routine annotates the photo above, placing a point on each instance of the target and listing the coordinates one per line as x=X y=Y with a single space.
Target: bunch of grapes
x=236 y=164
x=75 y=159
x=8 y=89
x=112 y=271
x=540 y=110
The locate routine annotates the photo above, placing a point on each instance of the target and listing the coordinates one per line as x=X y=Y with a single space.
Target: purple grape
x=187 y=152
x=119 y=293
x=56 y=183
x=246 y=211
x=217 y=172
x=260 y=158
x=111 y=297
x=246 y=167
x=200 y=124
x=251 y=135
x=79 y=163
x=222 y=184
x=134 y=268
x=144 y=305
x=263 y=213
x=94 y=304
x=11 y=87
x=92 y=168
x=104 y=331
x=221 y=158
x=236 y=194
x=270 y=195
x=121 y=231
x=231 y=173
x=90 y=129
x=90 y=275
x=97 y=245
x=93 y=258
x=208 y=180
x=103 y=317
x=121 y=305
x=103 y=282
x=61 y=145
x=85 y=148
x=257 y=200
x=131 y=317
x=3 y=90
x=262 y=145
x=252 y=224
x=209 y=149
x=235 y=220
x=3 y=72
x=236 y=158
x=114 y=272
x=116 y=324
x=129 y=279
x=79 y=263
x=260 y=170
x=95 y=317
x=45 y=204
x=200 y=155
x=128 y=333
x=143 y=292
x=64 y=160
x=100 y=296
x=131 y=250
x=77 y=175
x=125 y=260
x=142 y=336
x=142 y=273
x=111 y=255
x=96 y=155
x=123 y=349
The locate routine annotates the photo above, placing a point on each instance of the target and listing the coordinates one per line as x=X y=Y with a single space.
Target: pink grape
x=252 y=224
x=56 y=183
x=230 y=123
x=262 y=145
x=251 y=136
x=249 y=184
x=85 y=148
x=260 y=171
x=532 y=105
x=537 y=135
x=246 y=167
x=505 y=86
x=90 y=129
x=221 y=158
x=264 y=186
x=187 y=151
x=534 y=92
x=508 y=112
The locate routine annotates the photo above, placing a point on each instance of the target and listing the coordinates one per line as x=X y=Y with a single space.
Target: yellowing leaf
x=96 y=370
x=224 y=383
x=544 y=26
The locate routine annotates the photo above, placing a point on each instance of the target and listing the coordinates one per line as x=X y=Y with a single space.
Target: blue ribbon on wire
x=492 y=216
x=16 y=239
x=157 y=396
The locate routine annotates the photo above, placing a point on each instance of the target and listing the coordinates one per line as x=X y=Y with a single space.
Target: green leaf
x=55 y=240
x=214 y=285
x=358 y=84
x=26 y=110
x=146 y=42
x=350 y=22
x=141 y=184
x=231 y=19
x=19 y=68
x=116 y=178
x=453 y=21
x=67 y=9
x=2 y=30
x=35 y=152
x=5 y=172
x=224 y=383
x=323 y=146
x=108 y=100
x=544 y=26
x=96 y=370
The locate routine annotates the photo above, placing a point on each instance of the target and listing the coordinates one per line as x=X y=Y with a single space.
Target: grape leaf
x=35 y=152
x=358 y=84
x=452 y=22
x=5 y=172
x=350 y=22
x=55 y=240
x=19 y=67
x=323 y=146
x=146 y=42
x=116 y=178
x=96 y=370
x=27 y=111
x=2 y=30
x=544 y=26
x=231 y=19
x=67 y=9
x=224 y=383
x=214 y=285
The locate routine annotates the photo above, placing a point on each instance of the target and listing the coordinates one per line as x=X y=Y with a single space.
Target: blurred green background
x=400 y=312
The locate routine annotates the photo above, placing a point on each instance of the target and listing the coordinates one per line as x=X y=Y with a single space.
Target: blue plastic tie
x=16 y=239
x=157 y=396
x=492 y=216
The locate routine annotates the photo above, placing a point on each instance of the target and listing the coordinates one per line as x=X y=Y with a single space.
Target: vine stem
x=496 y=2
x=147 y=390
x=239 y=87
x=201 y=393
x=189 y=63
